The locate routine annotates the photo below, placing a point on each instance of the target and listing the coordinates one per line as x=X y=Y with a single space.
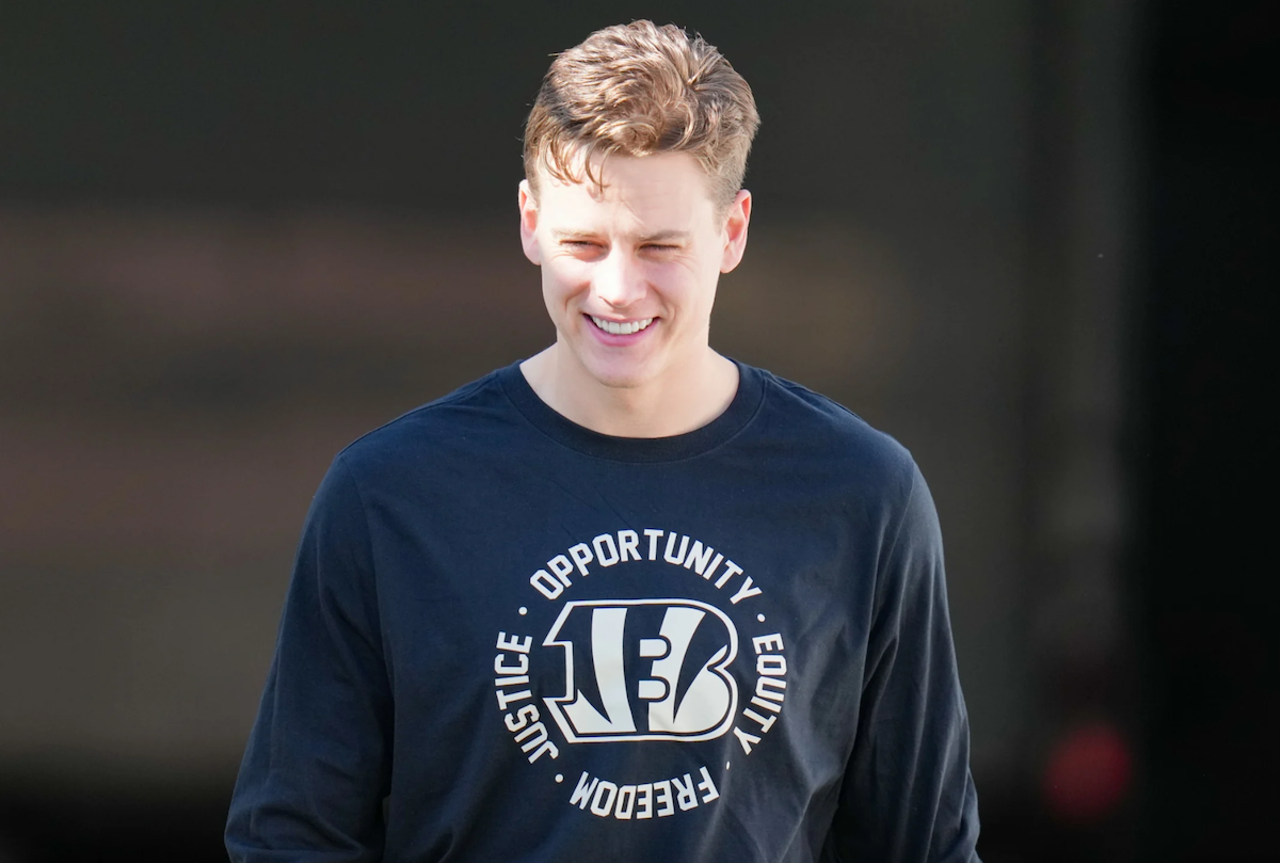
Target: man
x=627 y=599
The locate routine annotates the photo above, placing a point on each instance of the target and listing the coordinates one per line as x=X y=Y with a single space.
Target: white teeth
x=623 y=329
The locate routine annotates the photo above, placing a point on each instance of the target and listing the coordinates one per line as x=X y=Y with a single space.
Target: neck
x=672 y=405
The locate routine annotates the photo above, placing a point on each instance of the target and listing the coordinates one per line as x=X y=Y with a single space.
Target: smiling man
x=629 y=271
x=627 y=599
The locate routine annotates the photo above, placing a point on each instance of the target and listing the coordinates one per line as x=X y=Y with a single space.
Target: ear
x=529 y=224
x=735 y=231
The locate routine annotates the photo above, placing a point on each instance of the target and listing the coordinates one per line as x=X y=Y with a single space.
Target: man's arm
x=908 y=796
x=318 y=760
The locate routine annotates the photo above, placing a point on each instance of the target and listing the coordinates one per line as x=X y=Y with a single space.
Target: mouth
x=621 y=328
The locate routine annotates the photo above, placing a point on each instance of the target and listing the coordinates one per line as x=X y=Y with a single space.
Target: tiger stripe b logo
x=644 y=669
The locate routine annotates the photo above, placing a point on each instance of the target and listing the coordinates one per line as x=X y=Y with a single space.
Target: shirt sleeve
x=317 y=764
x=907 y=795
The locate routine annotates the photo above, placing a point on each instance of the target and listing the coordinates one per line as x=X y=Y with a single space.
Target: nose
x=619 y=280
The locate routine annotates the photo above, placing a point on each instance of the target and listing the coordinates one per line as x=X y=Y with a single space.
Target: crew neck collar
x=746 y=401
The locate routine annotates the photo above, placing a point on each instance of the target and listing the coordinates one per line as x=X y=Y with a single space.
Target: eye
x=660 y=247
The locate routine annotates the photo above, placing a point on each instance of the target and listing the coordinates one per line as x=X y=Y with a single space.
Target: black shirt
x=509 y=637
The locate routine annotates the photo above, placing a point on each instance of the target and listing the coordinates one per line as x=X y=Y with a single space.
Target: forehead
x=667 y=188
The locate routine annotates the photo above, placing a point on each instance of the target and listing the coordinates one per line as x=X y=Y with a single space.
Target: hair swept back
x=638 y=89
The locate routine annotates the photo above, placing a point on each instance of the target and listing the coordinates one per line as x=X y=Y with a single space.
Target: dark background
x=1028 y=240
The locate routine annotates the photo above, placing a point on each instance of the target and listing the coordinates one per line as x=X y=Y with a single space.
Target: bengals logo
x=644 y=669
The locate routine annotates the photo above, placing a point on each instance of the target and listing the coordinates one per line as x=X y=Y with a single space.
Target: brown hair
x=638 y=89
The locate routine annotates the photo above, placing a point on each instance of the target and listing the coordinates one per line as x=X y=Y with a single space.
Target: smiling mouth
x=621 y=328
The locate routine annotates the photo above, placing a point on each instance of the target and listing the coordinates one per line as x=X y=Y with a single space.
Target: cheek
x=693 y=282
x=563 y=278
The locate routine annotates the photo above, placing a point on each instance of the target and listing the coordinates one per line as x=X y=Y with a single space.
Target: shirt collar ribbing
x=746 y=401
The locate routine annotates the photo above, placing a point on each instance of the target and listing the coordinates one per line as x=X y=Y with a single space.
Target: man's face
x=629 y=272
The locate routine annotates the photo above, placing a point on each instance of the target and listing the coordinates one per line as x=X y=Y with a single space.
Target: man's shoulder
x=453 y=421
x=825 y=446
x=813 y=422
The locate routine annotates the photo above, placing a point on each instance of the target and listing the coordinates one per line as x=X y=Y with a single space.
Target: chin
x=617 y=379
x=617 y=375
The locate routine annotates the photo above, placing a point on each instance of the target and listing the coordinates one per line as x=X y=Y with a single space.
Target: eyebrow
x=664 y=236
x=656 y=237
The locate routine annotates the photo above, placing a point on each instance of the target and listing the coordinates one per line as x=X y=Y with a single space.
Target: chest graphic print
x=686 y=694
x=617 y=669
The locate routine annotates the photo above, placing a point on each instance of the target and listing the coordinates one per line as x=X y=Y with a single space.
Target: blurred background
x=1029 y=240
